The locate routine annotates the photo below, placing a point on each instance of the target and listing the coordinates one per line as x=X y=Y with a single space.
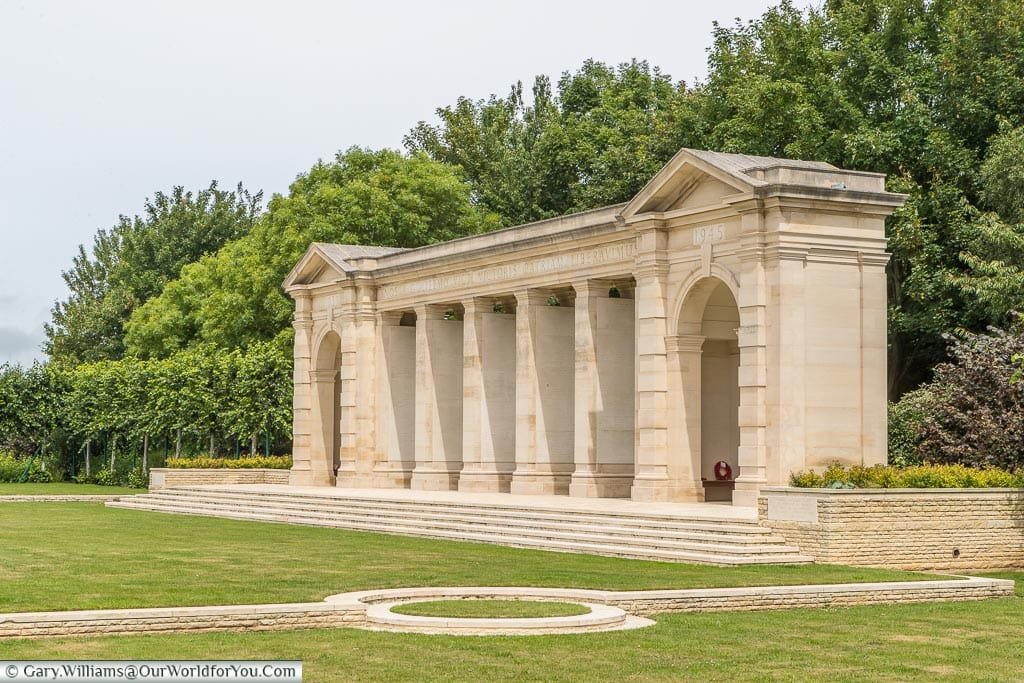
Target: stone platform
x=679 y=532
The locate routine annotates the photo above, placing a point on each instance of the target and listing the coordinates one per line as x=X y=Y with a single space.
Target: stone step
x=710 y=546
x=752 y=535
x=707 y=553
x=640 y=520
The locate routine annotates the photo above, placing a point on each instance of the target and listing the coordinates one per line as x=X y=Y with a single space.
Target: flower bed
x=914 y=477
x=269 y=462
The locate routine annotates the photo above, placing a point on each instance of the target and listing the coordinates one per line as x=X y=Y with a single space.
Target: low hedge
x=913 y=477
x=270 y=462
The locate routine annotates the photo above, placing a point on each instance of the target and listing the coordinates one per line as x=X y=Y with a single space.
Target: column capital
x=478 y=304
x=431 y=311
x=536 y=297
x=323 y=375
x=684 y=343
x=592 y=287
x=389 y=317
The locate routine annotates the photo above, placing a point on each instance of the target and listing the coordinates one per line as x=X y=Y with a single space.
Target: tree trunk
x=177 y=445
x=252 y=445
x=113 y=450
x=88 y=454
x=211 y=444
x=145 y=453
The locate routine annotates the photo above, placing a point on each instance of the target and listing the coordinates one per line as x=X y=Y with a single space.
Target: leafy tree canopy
x=132 y=262
x=232 y=298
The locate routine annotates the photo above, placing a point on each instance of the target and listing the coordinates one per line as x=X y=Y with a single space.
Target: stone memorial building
x=733 y=311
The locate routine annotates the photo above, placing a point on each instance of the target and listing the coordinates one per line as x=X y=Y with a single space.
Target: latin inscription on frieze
x=506 y=272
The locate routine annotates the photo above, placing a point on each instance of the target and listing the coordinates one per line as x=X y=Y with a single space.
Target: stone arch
x=708 y=405
x=325 y=380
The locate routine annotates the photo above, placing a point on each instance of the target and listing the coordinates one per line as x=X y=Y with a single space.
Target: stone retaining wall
x=353 y=609
x=167 y=477
x=178 y=620
x=957 y=529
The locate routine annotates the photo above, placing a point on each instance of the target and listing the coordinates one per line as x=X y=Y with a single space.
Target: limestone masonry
x=734 y=310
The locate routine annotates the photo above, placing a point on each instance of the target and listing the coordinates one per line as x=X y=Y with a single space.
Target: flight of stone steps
x=622 y=534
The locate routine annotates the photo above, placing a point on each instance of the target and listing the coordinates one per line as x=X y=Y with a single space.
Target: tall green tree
x=232 y=298
x=131 y=262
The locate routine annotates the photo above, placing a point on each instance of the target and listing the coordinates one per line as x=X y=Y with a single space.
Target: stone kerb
x=945 y=529
x=169 y=477
x=609 y=610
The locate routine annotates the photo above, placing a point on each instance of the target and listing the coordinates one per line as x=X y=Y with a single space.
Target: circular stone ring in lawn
x=510 y=611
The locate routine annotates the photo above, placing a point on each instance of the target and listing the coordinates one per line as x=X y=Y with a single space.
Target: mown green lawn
x=57 y=556
x=977 y=641
x=64 y=488
x=491 y=609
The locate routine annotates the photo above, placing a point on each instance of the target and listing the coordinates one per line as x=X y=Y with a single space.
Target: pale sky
x=103 y=103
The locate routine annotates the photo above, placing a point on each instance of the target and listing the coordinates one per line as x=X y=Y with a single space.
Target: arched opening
x=720 y=392
x=705 y=392
x=325 y=453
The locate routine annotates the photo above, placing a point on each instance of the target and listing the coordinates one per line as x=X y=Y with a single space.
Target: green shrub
x=907 y=420
x=105 y=477
x=272 y=462
x=912 y=477
x=12 y=468
x=136 y=479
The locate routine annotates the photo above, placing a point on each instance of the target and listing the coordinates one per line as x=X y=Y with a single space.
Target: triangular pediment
x=690 y=179
x=316 y=267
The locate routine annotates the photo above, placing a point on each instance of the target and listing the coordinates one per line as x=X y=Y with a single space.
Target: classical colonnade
x=733 y=311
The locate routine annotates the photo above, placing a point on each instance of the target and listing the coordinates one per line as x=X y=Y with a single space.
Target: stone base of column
x=387 y=477
x=434 y=480
x=355 y=480
x=600 y=485
x=310 y=478
x=485 y=482
x=533 y=483
x=745 y=493
x=667 y=491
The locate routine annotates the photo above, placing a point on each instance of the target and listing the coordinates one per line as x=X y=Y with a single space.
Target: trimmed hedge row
x=913 y=477
x=270 y=462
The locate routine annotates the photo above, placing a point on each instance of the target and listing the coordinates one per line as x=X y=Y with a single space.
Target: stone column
x=345 y=409
x=488 y=398
x=438 y=418
x=325 y=437
x=364 y=385
x=301 y=474
x=684 y=377
x=752 y=337
x=396 y=400
x=603 y=393
x=544 y=416
x=652 y=481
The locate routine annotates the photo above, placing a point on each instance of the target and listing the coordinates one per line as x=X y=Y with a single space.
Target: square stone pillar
x=651 y=481
x=544 y=395
x=438 y=438
x=396 y=401
x=604 y=393
x=684 y=368
x=301 y=474
x=488 y=397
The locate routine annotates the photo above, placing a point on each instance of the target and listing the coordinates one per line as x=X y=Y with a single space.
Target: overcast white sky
x=103 y=103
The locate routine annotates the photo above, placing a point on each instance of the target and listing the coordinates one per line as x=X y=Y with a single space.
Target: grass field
x=81 y=555
x=491 y=609
x=64 y=488
x=60 y=556
x=978 y=641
